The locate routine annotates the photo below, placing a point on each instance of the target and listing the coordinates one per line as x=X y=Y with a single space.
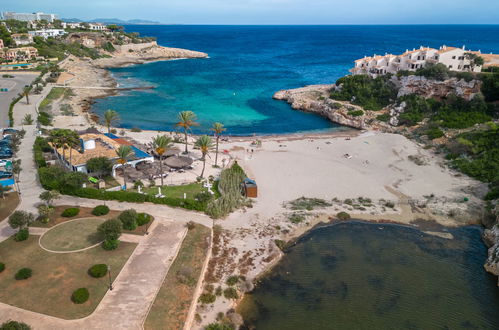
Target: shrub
x=207 y=298
x=343 y=216
x=21 y=235
x=98 y=270
x=70 y=212
x=110 y=244
x=129 y=219
x=135 y=129
x=23 y=274
x=434 y=133
x=100 y=210
x=143 y=218
x=14 y=325
x=384 y=117
x=355 y=113
x=80 y=296
x=110 y=229
x=219 y=326
x=2 y=267
x=231 y=293
x=44 y=118
x=232 y=280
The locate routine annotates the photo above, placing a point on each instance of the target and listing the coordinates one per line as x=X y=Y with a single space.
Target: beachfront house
x=97 y=27
x=453 y=58
x=22 y=39
x=46 y=33
x=93 y=145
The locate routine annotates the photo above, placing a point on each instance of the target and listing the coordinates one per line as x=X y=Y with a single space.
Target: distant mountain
x=111 y=21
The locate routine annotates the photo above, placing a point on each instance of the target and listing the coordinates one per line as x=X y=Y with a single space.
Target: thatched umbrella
x=178 y=161
x=172 y=152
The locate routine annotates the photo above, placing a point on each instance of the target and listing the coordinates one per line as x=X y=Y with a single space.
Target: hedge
x=70 y=212
x=100 y=210
x=23 y=274
x=80 y=295
x=98 y=270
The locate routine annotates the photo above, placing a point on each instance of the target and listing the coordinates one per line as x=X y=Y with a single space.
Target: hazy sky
x=272 y=11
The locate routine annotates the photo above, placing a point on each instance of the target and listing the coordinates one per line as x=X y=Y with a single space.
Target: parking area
x=14 y=86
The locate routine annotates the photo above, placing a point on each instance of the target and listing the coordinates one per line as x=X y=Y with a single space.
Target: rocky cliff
x=437 y=89
x=491 y=239
x=315 y=99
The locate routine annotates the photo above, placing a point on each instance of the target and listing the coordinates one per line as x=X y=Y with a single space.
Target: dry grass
x=55 y=277
x=172 y=303
x=8 y=205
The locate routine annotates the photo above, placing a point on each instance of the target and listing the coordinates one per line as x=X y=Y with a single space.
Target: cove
x=358 y=275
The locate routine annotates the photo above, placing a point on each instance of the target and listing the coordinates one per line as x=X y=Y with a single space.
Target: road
x=15 y=86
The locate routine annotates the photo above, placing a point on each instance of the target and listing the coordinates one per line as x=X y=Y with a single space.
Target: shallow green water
x=370 y=276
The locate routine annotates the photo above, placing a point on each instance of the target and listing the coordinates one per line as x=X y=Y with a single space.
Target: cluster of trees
x=365 y=91
x=455 y=112
x=52 y=47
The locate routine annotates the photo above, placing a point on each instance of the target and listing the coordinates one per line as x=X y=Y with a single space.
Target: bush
x=219 y=326
x=128 y=219
x=434 y=133
x=98 y=270
x=207 y=298
x=384 y=117
x=2 y=267
x=355 y=113
x=143 y=218
x=231 y=293
x=40 y=146
x=110 y=230
x=80 y=296
x=23 y=274
x=100 y=210
x=44 y=118
x=14 y=325
x=70 y=212
x=21 y=235
x=343 y=216
x=232 y=280
x=110 y=244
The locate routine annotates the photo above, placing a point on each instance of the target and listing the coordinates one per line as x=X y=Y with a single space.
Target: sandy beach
x=403 y=182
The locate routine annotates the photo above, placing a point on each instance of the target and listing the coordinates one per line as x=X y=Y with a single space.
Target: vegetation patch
x=70 y=212
x=305 y=203
x=80 y=296
x=99 y=270
x=73 y=235
x=23 y=274
x=343 y=216
x=100 y=210
x=174 y=298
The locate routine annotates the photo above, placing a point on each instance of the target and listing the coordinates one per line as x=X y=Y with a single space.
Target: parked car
x=3 y=162
x=10 y=131
x=5 y=154
x=5 y=174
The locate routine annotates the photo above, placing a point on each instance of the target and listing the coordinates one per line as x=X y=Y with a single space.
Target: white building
x=97 y=27
x=29 y=17
x=45 y=33
x=452 y=57
x=71 y=25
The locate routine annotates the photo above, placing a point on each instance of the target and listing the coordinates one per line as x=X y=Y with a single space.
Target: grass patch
x=8 y=205
x=55 y=277
x=191 y=190
x=172 y=303
x=54 y=94
x=73 y=235
x=304 y=203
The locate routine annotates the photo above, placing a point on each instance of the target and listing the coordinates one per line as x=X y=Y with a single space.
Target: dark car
x=5 y=154
x=5 y=174
x=10 y=131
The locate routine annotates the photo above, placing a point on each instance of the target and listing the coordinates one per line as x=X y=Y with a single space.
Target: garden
x=56 y=284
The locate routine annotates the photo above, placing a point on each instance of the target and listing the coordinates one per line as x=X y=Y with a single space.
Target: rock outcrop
x=315 y=99
x=491 y=239
x=437 y=89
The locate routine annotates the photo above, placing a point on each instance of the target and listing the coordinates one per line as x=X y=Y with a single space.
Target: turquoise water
x=370 y=276
x=248 y=64
x=22 y=64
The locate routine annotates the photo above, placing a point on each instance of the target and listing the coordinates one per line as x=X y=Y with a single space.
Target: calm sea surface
x=370 y=276
x=248 y=64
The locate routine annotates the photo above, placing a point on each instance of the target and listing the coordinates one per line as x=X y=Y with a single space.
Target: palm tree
x=111 y=117
x=58 y=140
x=218 y=128
x=73 y=142
x=161 y=144
x=205 y=144
x=124 y=153
x=186 y=119
x=26 y=93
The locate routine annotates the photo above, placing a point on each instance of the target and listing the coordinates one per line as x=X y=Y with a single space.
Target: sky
x=271 y=11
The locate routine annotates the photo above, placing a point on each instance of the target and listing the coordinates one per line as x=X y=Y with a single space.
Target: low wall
x=135 y=47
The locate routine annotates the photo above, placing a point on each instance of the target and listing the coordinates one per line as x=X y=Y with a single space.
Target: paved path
x=29 y=186
x=134 y=289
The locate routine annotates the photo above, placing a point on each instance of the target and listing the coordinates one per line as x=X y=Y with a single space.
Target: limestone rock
x=437 y=89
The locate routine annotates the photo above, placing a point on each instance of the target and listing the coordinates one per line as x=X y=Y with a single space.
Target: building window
x=450 y=66
x=461 y=58
x=453 y=57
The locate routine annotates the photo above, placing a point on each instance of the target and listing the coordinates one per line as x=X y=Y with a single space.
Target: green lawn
x=172 y=303
x=177 y=191
x=73 y=235
x=54 y=94
x=55 y=277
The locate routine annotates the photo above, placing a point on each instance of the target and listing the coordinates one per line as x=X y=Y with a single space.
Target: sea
x=248 y=64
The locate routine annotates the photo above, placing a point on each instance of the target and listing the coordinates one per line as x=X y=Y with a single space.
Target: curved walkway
x=134 y=289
